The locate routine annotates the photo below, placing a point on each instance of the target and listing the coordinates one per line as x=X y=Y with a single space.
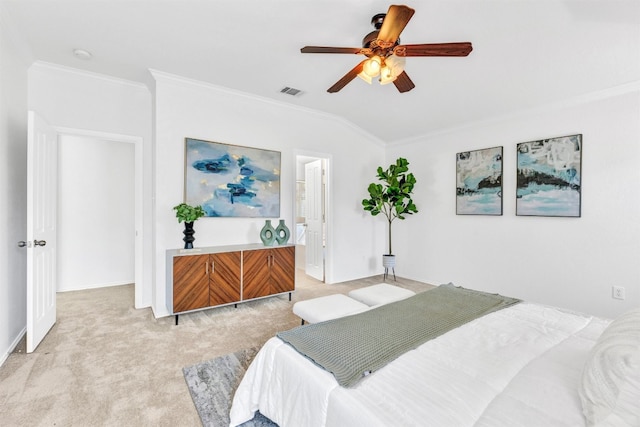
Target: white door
x=314 y=239
x=42 y=162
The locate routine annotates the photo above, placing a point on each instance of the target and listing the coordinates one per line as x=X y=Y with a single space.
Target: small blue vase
x=267 y=234
x=282 y=233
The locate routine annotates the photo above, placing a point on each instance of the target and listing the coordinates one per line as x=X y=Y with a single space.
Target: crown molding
x=83 y=73
x=611 y=92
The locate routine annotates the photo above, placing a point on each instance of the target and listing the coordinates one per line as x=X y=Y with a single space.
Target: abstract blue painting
x=232 y=181
x=479 y=182
x=549 y=177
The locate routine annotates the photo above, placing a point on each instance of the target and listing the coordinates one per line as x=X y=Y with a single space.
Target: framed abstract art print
x=549 y=177
x=232 y=181
x=479 y=182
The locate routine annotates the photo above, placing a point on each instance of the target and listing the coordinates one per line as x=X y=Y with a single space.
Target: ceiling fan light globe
x=387 y=76
x=365 y=77
x=372 y=66
x=395 y=64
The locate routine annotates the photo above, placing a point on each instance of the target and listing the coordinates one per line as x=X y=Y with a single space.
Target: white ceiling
x=526 y=53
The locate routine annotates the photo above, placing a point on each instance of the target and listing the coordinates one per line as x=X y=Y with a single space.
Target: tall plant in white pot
x=392 y=198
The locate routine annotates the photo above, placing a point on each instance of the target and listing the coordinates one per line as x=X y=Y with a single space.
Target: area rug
x=213 y=383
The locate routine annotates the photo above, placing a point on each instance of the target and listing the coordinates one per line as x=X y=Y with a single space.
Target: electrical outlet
x=618 y=292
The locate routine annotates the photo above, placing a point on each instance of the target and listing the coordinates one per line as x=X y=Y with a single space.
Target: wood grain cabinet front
x=256 y=277
x=228 y=275
x=190 y=282
x=283 y=270
x=225 y=278
x=268 y=272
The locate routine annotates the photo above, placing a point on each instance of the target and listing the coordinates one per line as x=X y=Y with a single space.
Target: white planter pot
x=389 y=262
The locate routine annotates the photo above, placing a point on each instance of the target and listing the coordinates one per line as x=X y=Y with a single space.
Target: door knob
x=22 y=244
x=39 y=242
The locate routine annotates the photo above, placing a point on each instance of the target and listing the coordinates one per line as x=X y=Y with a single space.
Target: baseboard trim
x=13 y=346
x=96 y=286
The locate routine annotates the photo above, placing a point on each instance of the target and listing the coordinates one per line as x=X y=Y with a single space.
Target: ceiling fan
x=385 y=55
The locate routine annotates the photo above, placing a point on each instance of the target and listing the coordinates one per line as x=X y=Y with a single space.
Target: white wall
x=92 y=103
x=96 y=225
x=13 y=188
x=192 y=109
x=566 y=262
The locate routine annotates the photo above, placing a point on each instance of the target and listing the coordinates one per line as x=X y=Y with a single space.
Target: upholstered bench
x=326 y=308
x=379 y=294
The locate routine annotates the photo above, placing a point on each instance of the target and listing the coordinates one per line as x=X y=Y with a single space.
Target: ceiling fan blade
x=434 y=49
x=327 y=49
x=403 y=82
x=347 y=78
x=393 y=24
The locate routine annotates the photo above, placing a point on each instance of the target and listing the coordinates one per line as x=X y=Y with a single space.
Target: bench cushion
x=382 y=293
x=328 y=307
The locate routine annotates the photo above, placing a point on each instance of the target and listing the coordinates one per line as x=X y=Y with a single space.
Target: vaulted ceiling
x=526 y=53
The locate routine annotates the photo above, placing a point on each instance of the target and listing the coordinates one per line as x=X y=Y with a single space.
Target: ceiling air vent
x=290 y=91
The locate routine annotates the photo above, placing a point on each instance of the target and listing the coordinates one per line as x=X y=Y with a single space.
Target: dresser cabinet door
x=268 y=272
x=283 y=269
x=224 y=278
x=190 y=282
x=256 y=275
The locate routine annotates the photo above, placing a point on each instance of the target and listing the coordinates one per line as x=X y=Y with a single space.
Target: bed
x=523 y=365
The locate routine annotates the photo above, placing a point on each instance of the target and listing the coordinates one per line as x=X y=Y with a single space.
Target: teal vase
x=267 y=234
x=282 y=233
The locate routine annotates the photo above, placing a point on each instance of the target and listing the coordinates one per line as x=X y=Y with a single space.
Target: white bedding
x=519 y=366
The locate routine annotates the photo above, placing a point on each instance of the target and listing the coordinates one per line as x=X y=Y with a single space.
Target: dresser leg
x=177 y=319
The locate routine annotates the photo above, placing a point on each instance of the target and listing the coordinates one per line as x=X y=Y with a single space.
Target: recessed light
x=82 y=54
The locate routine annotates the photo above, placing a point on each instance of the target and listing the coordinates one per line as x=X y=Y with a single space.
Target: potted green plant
x=392 y=198
x=188 y=214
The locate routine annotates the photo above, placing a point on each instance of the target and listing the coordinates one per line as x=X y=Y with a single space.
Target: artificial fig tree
x=392 y=197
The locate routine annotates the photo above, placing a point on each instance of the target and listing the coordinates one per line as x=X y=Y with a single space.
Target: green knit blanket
x=352 y=347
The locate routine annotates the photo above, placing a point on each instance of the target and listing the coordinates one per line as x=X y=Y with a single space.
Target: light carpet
x=106 y=363
x=213 y=383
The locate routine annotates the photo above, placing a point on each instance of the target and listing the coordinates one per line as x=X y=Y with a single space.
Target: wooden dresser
x=203 y=278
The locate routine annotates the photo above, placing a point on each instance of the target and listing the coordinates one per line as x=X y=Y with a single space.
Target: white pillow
x=610 y=388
